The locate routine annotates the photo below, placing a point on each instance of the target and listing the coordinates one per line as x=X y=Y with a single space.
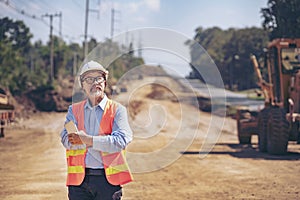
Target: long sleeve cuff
x=105 y=144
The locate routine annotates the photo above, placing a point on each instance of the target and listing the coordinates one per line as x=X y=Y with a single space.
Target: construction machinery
x=6 y=111
x=278 y=122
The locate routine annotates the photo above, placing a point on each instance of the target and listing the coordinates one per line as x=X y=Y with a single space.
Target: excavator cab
x=283 y=65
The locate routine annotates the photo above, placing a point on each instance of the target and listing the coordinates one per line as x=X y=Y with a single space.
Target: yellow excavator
x=278 y=122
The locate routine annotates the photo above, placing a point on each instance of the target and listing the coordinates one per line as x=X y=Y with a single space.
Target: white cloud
x=133 y=7
x=106 y=6
x=153 y=4
x=33 y=6
x=140 y=19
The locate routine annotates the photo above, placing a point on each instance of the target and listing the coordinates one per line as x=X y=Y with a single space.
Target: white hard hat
x=93 y=66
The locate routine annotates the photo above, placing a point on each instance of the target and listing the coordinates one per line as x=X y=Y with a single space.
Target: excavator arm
x=265 y=87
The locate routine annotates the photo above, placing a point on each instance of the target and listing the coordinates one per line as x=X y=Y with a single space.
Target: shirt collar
x=101 y=104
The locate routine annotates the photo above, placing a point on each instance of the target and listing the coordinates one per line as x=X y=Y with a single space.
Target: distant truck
x=7 y=114
x=279 y=121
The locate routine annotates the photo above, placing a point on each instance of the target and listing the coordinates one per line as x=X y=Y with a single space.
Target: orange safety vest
x=116 y=168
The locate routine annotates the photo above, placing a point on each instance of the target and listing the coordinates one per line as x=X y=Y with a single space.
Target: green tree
x=282 y=18
x=237 y=66
x=63 y=57
x=15 y=33
x=14 y=43
x=213 y=41
x=230 y=51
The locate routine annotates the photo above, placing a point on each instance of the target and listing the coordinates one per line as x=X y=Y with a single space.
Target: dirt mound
x=49 y=98
x=160 y=92
x=135 y=107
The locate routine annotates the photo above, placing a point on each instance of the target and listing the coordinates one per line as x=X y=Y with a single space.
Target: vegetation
x=26 y=66
x=230 y=49
x=282 y=18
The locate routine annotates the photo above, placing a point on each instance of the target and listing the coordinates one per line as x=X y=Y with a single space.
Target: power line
x=47 y=5
x=77 y=4
x=23 y=12
x=12 y=6
x=40 y=5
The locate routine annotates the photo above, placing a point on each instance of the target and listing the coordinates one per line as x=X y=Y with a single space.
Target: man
x=95 y=153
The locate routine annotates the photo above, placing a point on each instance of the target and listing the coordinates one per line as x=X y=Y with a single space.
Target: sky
x=180 y=16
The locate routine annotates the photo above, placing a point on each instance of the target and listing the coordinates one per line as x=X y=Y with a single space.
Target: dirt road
x=32 y=159
x=165 y=155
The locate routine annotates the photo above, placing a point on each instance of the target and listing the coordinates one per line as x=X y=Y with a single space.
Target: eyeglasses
x=91 y=80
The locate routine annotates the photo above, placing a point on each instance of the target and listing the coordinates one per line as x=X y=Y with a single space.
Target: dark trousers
x=93 y=187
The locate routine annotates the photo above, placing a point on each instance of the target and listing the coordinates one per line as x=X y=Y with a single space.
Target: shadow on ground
x=245 y=151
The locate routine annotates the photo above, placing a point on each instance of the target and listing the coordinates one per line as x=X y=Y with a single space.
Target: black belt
x=94 y=172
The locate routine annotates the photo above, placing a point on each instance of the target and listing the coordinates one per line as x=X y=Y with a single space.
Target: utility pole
x=86 y=25
x=140 y=46
x=74 y=63
x=113 y=21
x=126 y=39
x=86 y=28
x=51 y=45
x=60 y=24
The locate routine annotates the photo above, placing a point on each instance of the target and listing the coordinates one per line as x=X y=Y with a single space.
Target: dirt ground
x=171 y=154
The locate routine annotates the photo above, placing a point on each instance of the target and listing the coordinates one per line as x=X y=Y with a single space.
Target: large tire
x=262 y=129
x=243 y=139
x=278 y=132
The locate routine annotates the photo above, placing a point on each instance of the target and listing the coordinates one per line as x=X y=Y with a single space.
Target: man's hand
x=80 y=138
x=74 y=139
